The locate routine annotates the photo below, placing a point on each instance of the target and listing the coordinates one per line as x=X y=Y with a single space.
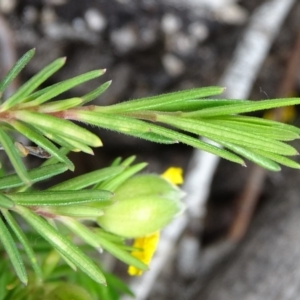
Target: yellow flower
x=146 y=245
x=174 y=175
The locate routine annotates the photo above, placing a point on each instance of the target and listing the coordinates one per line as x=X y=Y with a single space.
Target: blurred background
x=156 y=46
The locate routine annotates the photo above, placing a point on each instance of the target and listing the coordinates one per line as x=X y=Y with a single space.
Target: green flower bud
x=143 y=205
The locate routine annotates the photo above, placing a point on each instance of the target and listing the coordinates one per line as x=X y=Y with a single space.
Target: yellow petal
x=146 y=246
x=174 y=175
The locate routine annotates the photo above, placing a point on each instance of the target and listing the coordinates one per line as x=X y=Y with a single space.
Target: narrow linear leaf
x=259 y=121
x=13 y=253
x=86 y=234
x=14 y=156
x=59 y=127
x=116 y=162
x=279 y=159
x=112 y=184
x=88 y=179
x=24 y=241
x=96 y=92
x=220 y=133
x=5 y=202
x=119 y=253
x=60 y=105
x=60 y=141
x=62 y=87
x=62 y=245
x=242 y=107
x=52 y=160
x=76 y=211
x=254 y=157
x=195 y=104
x=161 y=100
x=28 y=87
x=126 y=125
x=77 y=146
x=260 y=130
x=118 y=284
x=35 y=175
x=16 y=69
x=50 y=198
x=44 y=143
x=128 y=161
x=153 y=137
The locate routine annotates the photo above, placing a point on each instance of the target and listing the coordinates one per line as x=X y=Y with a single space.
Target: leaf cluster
x=60 y=213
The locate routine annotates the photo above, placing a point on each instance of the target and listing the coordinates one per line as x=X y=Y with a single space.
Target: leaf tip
x=71 y=167
x=102 y=71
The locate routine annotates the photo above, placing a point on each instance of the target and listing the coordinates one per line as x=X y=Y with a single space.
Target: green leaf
x=242 y=107
x=117 y=284
x=73 y=145
x=80 y=230
x=14 y=156
x=153 y=137
x=196 y=104
x=279 y=159
x=126 y=125
x=220 y=133
x=257 y=129
x=49 y=198
x=13 y=253
x=16 y=69
x=117 y=180
x=159 y=102
x=60 y=105
x=52 y=160
x=68 y=291
x=63 y=86
x=62 y=244
x=128 y=161
x=24 y=241
x=96 y=92
x=76 y=211
x=253 y=156
x=59 y=127
x=20 y=95
x=5 y=202
x=65 y=143
x=35 y=175
x=44 y=143
x=259 y=121
x=119 y=253
x=88 y=179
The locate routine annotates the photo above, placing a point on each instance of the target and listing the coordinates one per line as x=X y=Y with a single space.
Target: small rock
x=79 y=25
x=198 y=31
x=30 y=14
x=124 y=39
x=170 y=24
x=232 y=14
x=7 y=6
x=173 y=65
x=185 y=44
x=48 y=15
x=95 y=20
x=148 y=36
